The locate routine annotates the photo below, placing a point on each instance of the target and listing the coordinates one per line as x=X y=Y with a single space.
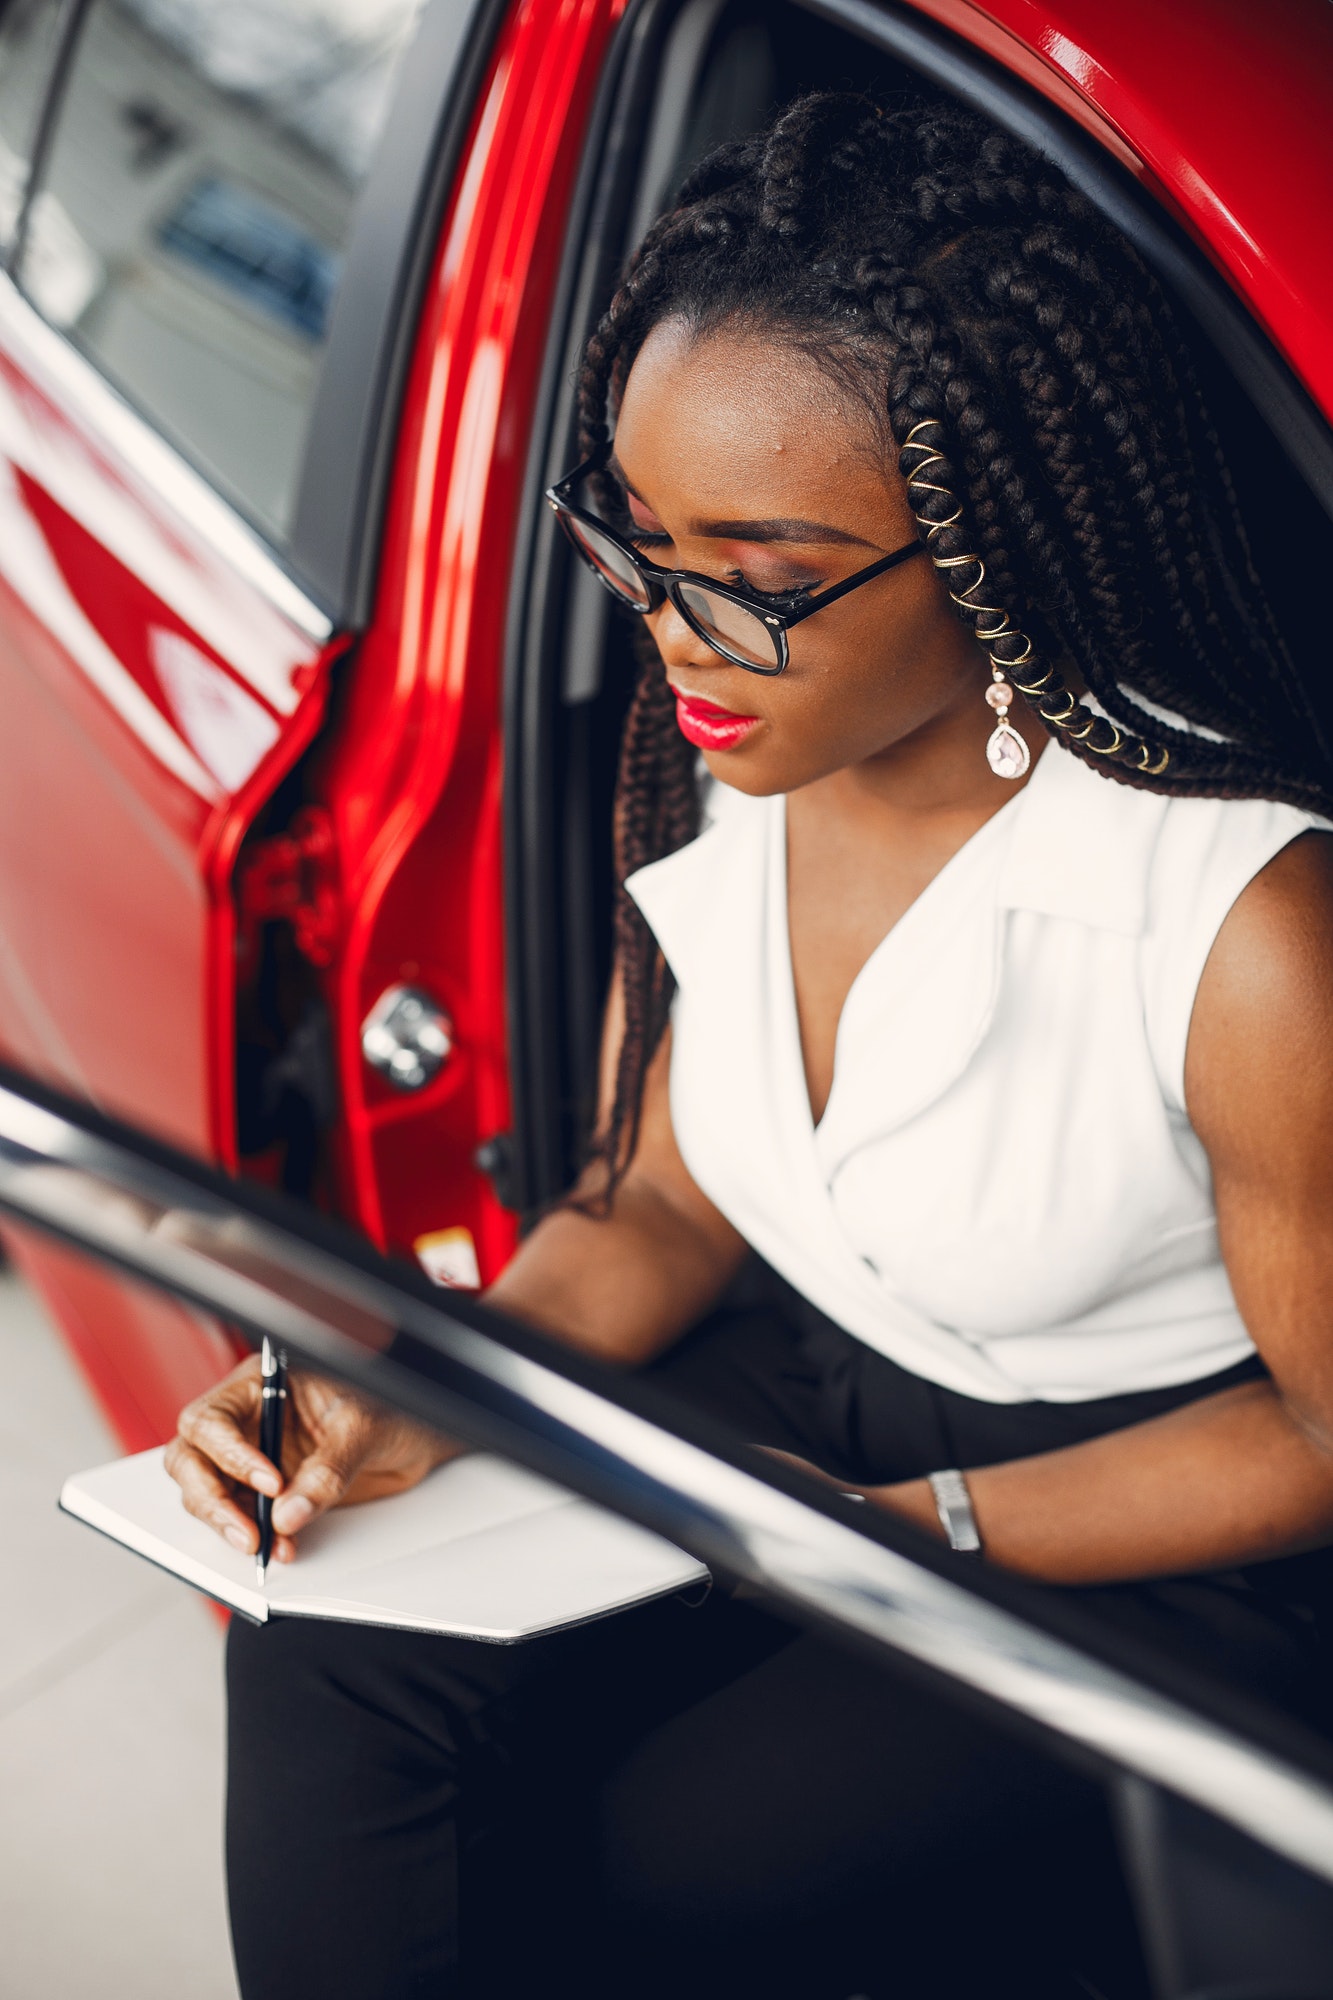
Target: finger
x=207 y=1496
x=320 y=1480
x=213 y=1431
x=209 y=1499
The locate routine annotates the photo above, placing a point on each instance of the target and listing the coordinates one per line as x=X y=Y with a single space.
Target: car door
x=186 y=184
x=410 y=775
x=1223 y=1804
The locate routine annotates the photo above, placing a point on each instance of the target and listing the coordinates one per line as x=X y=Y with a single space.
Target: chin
x=750 y=771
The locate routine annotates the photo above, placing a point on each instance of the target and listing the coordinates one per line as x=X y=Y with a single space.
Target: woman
x=993 y=1007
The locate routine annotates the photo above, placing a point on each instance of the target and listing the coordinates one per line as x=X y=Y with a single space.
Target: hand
x=338 y=1448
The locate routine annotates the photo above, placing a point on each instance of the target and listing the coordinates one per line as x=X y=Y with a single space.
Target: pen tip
x=260 y=1569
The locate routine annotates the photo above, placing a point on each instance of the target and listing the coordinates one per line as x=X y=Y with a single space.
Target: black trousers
x=697 y=1800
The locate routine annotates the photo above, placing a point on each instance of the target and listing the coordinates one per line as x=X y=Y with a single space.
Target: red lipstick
x=709 y=727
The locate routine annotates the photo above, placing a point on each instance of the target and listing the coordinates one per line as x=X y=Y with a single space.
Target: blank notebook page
x=480 y=1548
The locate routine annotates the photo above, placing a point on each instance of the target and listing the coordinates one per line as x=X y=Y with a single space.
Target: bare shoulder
x=1260 y=1051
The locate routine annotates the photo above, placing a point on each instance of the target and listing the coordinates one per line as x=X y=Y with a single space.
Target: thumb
x=322 y=1478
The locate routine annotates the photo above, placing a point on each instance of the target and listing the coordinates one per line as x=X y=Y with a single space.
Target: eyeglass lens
x=739 y=633
x=610 y=562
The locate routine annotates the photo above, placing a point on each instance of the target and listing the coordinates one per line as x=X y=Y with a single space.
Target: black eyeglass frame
x=662 y=584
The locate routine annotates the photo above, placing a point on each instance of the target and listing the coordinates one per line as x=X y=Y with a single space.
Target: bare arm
x=625 y=1286
x=1247 y=1474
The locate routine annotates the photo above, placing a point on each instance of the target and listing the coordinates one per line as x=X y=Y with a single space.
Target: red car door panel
x=158 y=675
x=412 y=775
x=160 y=670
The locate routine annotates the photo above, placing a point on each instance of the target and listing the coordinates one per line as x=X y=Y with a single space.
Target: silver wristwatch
x=953 y=1503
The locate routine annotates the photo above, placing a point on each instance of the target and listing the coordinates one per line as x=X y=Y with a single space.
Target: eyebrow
x=779 y=529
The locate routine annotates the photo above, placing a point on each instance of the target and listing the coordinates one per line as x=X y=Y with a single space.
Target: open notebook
x=481 y=1549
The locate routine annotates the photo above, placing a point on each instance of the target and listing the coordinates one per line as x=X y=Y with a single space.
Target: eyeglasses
x=747 y=627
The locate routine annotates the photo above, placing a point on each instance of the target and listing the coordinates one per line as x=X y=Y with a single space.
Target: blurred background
x=111 y=1721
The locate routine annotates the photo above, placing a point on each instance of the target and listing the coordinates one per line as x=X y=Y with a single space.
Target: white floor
x=111 y=1722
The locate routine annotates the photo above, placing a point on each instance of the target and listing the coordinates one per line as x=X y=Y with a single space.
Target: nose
x=678 y=643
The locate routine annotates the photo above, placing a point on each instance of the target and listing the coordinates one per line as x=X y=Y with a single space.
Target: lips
x=709 y=727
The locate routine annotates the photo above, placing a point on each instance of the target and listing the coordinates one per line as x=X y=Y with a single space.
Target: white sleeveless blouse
x=1004 y=1194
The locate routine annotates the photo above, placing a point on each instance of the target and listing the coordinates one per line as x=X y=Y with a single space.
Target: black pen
x=273 y=1370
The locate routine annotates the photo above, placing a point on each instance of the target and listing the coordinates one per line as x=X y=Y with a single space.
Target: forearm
x=622 y=1287
x=1231 y=1479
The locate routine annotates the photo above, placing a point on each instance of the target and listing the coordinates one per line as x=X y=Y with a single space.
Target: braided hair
x=1029 y=377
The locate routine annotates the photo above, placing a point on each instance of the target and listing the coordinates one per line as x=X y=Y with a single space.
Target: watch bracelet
x=953 y=1504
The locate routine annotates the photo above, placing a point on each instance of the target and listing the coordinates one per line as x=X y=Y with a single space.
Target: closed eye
x=648 y=539
x=786 y=596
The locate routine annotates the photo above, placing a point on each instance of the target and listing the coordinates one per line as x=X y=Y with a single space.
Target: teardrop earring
x=1006 y=752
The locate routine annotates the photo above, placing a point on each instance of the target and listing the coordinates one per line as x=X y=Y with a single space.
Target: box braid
x=1027 y=373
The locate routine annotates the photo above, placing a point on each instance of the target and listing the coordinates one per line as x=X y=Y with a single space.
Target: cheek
x=882 y=678
x=877 y=676
x=854 y=709
x=916 y=652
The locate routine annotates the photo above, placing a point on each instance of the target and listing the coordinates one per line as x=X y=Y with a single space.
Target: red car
x=307 y=724
x=307 y=730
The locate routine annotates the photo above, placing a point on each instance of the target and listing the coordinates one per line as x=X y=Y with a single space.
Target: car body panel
x=152 y=690
x=158 y=674
x=1222 y=108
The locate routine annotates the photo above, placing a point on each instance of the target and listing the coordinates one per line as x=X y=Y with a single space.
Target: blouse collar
x=1076 y=845
x=1070 y=845
x=1081 y=846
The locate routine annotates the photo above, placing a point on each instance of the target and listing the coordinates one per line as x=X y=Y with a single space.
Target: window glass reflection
x=29 y=39
x=195 y=210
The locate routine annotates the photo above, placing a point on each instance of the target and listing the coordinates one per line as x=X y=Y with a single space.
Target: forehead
x=734 y=407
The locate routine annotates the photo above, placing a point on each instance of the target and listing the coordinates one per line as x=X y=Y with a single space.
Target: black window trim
x=540 y=580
